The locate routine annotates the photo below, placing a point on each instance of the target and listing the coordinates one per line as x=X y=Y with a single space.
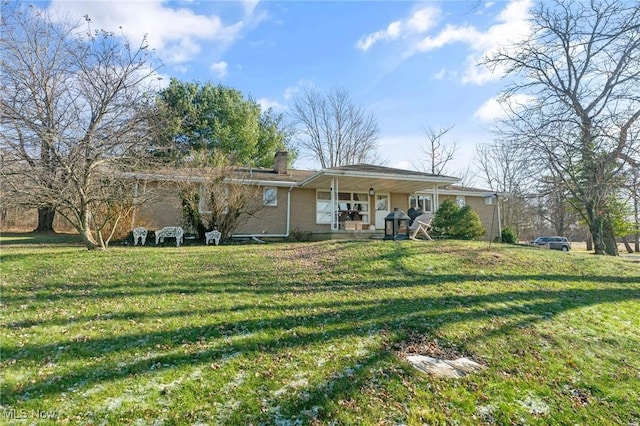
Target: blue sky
x=412 y=64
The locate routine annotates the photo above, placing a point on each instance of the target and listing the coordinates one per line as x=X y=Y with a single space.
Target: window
x=461 y=201
x=350 y=206
x=270 y=196
x=421 y=202
x=323 y=207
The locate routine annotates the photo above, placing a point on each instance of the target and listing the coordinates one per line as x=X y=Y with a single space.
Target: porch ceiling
x=380 y=183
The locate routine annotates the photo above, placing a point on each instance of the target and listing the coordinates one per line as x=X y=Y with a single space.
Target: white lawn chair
x=139 y=233
x=421 y=225
x=212 y=236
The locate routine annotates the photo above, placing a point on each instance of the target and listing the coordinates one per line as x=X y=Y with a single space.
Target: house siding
x=303 y=211
x=164 y=210
x=269 y=219
x=400 y=201
x=485 y=212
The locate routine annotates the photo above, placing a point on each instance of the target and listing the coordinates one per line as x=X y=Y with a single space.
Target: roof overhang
x=202 y=179
x=350 y=180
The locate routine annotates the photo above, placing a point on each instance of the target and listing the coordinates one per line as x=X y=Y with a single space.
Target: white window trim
x=270 y=202
x=430 y=197
x=351 y=201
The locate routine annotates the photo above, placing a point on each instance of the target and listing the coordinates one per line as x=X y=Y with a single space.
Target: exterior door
x=382 y=209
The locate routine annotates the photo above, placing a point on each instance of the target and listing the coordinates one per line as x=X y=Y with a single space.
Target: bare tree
x=73 y=108
x=218 y=196
x=558 y=208
x=503 y=169
x=437 y=153
x=580 y=72
x=333 y=130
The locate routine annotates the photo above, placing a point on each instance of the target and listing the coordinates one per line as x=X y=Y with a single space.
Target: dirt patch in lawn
x=430 y=356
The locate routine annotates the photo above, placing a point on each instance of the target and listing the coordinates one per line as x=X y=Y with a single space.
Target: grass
x=313 y=333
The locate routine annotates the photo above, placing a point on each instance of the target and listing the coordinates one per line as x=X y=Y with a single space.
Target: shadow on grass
x=266 y=328
x=242 y=283
x=38 y=238
x=270 y=335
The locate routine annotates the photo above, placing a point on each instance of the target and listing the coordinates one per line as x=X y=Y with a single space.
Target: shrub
x=509 y=236
x=299 y=235
x=451 y=221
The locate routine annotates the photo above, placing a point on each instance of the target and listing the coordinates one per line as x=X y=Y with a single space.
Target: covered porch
x=353 y=201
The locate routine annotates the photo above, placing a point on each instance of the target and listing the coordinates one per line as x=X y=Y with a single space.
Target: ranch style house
x=347 y=202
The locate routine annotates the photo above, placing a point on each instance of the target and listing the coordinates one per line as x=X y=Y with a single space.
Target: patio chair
x=212 y=236
x=421 y=224
x=140 y=234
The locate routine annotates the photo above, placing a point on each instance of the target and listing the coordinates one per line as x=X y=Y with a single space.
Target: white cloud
x=219 y=69
x=291 y=91
x=266 y=103
x=419 y=22
x=392 y=32
x=450 y=34
x=181 y=68
x=491 y=110
x=403 y=164
x=177 y=34
x=510 y=26
x=495 y=109
x=250 y=6
x=422 y=20
x=440 y=75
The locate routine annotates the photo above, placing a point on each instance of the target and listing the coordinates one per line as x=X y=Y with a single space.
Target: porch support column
x=334 y=205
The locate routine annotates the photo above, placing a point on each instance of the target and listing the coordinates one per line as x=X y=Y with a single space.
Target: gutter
x=256 y=237
x=350 y=173
x=200 y=179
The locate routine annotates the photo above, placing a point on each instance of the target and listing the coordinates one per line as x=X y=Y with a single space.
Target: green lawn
x=314 y=333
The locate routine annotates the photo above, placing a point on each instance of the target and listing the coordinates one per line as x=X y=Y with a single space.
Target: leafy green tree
x=619 y=218
x=214 y=119
x=451 y=221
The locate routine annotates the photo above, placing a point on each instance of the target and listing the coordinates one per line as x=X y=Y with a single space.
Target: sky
x=413 y=64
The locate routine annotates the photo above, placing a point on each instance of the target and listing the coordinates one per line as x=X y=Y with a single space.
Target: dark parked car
x=554 y=243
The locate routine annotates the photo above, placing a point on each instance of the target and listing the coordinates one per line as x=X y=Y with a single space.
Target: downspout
x=499 y=219
x=256 y=237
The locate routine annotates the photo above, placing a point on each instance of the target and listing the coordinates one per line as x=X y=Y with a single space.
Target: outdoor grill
x=396 y=225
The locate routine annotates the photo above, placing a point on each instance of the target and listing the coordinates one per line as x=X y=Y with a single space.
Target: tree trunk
x=88 y=240
x=45 y=219
x=627 y=246
x=609 y=239
x=595 y=223
x=85 y=232
x=636 y=209
x=589 y=243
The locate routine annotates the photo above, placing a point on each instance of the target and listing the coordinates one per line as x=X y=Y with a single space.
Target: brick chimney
x=280 y=162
